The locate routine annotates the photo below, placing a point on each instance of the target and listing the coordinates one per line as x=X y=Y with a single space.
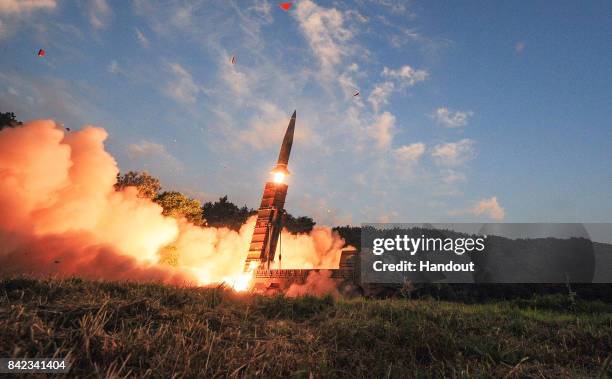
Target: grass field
x=148 y=330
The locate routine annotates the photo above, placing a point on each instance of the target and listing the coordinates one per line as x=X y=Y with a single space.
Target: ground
x=150 y=330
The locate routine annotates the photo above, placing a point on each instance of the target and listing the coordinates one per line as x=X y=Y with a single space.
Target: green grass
x=148 y=330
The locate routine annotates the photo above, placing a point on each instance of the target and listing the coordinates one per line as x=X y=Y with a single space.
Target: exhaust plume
x=62 y=216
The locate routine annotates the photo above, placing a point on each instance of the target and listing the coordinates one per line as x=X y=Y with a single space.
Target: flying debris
x=233 y=59
x=41 y=53
x=286 y=6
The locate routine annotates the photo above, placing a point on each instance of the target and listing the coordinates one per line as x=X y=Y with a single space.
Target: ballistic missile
x=285 y=151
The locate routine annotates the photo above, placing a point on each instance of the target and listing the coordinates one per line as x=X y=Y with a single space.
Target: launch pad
x=271 y=279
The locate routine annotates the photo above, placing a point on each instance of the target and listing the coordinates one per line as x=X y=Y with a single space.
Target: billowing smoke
x=319 y=249
x=60 y=215
x=318 y=283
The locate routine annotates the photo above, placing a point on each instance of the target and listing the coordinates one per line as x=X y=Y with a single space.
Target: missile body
x=271 y=210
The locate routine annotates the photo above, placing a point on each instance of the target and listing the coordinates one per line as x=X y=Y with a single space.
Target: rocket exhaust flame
x=279 y=177
x=61 y=216
x=243 y=281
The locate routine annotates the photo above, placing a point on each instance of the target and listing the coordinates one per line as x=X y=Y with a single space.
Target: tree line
x=220 y=213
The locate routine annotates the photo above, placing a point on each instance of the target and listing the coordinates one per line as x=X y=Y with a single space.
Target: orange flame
x=243 y=282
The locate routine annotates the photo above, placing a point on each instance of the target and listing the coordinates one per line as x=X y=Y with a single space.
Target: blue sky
x=468 y=111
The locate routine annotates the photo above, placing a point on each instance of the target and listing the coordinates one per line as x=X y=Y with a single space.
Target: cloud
x=489 y=207
x=24 y=6
x=449 y=119
x=349 y=86
x=99 y=13
x=452 y=177
x=15 y=11
x=144 y=41
x=453 y=153
x=237 y=81
x=266 y=130
x=325 y=32
x=380 y=95
x=410 y=153
x=406 y=76
x=182 y=87
x=398 y=79
x=382 y=130
x=264 y=9
x=395 y=6
x=152 y=151
x=114 y=68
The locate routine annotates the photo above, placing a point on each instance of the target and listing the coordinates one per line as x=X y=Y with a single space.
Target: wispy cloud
x=380 y=94
x=23 y=6
x=153 y=152
x=144 y=41
x=267 y=128
x=396 y=6
x=452 y=177
x=325 y=32
x=13 y=13
x=450 y=119
x=382 y=130
x=235 y=79
x=453 y=153
x=113 y=68
x=99 y=13
x=398 y=79
x=264 y=9
x=406 y=76
x=182 y=87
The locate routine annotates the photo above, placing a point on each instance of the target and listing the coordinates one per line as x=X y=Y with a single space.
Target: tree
x=8 y=120
x=177 y=205
x=223 y=213
x=148 y=186
x=350 y=234
x=300 y=224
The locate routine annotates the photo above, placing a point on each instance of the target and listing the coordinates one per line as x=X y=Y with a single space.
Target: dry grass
x=127 y=330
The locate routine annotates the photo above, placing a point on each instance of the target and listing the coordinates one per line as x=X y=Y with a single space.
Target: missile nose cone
x=283 y=157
